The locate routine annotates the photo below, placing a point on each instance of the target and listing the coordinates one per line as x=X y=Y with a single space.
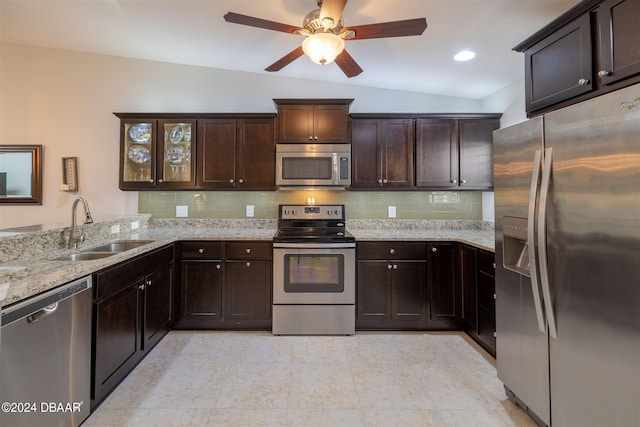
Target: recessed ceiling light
x=464 y=55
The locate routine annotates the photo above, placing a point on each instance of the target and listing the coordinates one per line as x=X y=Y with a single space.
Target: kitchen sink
x=104 y=251
x=85 y=256
x=119 y=246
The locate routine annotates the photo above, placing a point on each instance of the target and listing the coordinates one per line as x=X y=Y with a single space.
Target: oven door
x=314 y=273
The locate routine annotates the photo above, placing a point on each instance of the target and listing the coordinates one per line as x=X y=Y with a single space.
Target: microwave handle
x=336 y=168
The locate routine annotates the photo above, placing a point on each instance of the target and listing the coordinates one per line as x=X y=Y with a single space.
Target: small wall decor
x=69 y=174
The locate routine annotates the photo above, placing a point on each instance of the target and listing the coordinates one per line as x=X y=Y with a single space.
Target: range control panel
x=311 y=212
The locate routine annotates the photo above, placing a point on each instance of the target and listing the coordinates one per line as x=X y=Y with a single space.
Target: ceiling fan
x=325 y=34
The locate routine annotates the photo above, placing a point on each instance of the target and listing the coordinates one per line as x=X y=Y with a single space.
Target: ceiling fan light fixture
x=323 y=48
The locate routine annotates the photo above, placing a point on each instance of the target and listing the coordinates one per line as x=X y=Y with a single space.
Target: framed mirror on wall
x=21 y=174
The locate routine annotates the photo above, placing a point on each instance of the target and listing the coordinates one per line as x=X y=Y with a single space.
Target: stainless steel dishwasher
x=45 y=358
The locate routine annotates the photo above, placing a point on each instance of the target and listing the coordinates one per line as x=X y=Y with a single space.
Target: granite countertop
x=31 y=275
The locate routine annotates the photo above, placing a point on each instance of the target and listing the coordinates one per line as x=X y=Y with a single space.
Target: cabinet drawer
x=201 y=250
x=248 y=250
x=392 y=250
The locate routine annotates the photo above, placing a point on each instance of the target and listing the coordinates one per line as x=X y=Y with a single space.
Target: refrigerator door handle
x=533 y=264
x=542 y=242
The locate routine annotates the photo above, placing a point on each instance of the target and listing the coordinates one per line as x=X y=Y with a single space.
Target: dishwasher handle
x=47 y=311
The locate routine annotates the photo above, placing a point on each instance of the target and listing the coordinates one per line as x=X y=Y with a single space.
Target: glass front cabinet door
x=175 y=154
x=156 y=154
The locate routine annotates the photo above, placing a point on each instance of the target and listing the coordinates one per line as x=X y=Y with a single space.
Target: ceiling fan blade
x=408 y=27
x=347 y=64
x=286 y=60
x=236 y=18
x=332 y=9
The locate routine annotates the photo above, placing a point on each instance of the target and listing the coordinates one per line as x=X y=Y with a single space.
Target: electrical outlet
x=250 y=211
x=391 y=211
x=115 y=229
x=135 y=225
x=182 y=211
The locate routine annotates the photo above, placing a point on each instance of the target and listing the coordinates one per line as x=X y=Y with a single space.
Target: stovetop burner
x=312 y=223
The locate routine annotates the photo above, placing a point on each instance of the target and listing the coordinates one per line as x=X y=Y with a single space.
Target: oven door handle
x=313 y=245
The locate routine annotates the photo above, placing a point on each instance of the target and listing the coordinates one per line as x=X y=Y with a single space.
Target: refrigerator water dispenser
x=516 y=250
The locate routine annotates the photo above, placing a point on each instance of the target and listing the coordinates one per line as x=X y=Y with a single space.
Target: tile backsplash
x=359 y=205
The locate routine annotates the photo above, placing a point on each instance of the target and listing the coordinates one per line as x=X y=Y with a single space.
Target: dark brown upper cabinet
x=313 y=120
x=156 y=153
x=236 y=154
x=382 y=153
x=592 y=49
x=206 y=151
x=619 y=40
x=455 y=154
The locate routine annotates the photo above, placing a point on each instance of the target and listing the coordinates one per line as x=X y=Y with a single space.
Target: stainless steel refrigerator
x=567 y=206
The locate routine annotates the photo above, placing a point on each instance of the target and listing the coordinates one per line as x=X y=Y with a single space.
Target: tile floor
x=256 y=379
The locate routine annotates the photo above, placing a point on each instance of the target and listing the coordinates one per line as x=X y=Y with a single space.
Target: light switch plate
x=135 y=225
x=250 y=211
x=391 y=211
x=115 y=229
x=182 y=211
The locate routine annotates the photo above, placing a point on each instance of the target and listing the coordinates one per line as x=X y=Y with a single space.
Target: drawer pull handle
x=200 y=251
x=248 y=250
x=434 y=250
x=392 y=251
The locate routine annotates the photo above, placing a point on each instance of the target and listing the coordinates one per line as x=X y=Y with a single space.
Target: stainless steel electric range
x=313 y=272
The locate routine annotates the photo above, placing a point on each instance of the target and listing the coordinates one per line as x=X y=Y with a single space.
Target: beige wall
x=64 y=100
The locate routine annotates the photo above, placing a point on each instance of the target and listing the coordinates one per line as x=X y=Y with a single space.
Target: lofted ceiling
x=195 y=33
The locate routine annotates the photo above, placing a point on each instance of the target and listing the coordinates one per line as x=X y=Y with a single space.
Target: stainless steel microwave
x=313 y=165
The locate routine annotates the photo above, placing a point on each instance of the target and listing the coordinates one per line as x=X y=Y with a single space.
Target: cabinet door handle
x=315 y=137
x=231 y=180
x=248 y=250
x=141 y=287
x=248 y=264
x=389 y=267
x=148 y=282
x=603 y=73
x=434 y=250
x=200 y=251
x=395 y=266
x=464 y=181
x=384 y=181
x=217 y=266
x=160 y=180
x=380 y=181
x=241 y=180
x=495 y=296
x=583 y=82
x=454 y=181
x=310 y=138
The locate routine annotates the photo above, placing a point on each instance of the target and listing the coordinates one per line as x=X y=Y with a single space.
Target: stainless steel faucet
x=76 y=236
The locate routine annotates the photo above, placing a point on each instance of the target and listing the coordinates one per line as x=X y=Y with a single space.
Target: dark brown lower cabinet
x=487 y=300
x=247 y=294
x=132 y=312
x=478 y=295
x=224 y=285
x=401 y=285
x=200 y=294
x=444 y=290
